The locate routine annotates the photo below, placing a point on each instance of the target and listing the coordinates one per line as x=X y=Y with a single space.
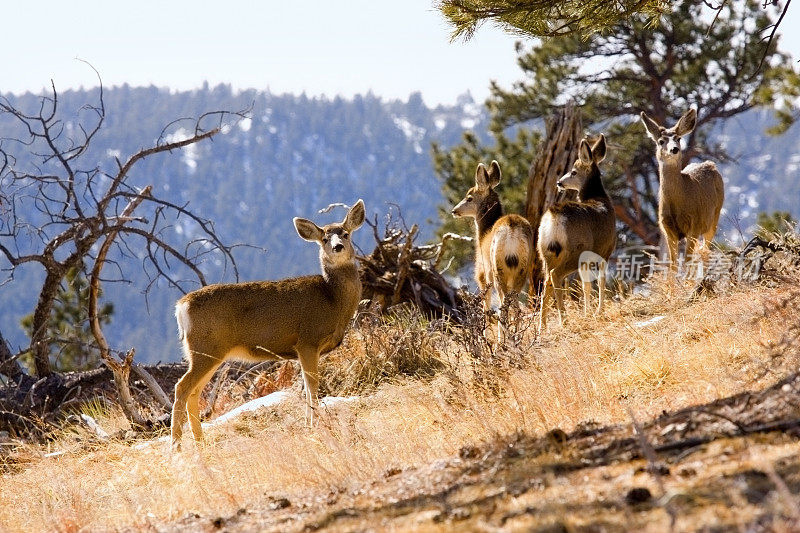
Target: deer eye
x=574 y=172
x=325 y=240
x=661 y=141
x=469 y=198
x=344 y=235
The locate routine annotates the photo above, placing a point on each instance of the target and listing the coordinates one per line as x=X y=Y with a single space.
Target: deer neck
x=343 y=280
x=670 y=173
x=488 y=213
x=593 y=189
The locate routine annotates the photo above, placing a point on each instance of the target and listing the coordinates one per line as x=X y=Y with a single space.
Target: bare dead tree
x=56 y=211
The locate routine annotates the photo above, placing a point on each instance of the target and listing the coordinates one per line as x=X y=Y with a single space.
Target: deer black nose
x=675 y=150
x=338 y=247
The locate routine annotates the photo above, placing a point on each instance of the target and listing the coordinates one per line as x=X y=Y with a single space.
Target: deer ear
x=687 y=123
x=481 y=177
x=584 y=152
x=652 y=127
x=308 y=230
x=494 y=174
x=599 y=149
x=355 y=217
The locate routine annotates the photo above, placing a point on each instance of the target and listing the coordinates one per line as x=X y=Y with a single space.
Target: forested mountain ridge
x=295 y=155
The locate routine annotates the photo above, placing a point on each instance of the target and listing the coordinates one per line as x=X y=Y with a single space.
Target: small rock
x=512 y=452
x=757 y=485
x=557 y=436
x=660 y=469
x=468 y=452
x=460 y=513
x=392 y=471
x=638 y=495
x=218 y=522
x=278 y=503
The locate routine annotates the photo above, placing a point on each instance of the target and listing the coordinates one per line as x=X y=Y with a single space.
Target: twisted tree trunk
x=563 y=133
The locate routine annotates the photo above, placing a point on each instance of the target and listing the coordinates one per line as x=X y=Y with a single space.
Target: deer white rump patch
x=509 y=242
x=551 y=229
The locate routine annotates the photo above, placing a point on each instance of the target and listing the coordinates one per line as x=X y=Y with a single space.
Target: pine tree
x=545 y=18
x=69 y=334
x=723 y=69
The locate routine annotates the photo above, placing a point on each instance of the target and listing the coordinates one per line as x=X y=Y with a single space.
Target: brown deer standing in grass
x=298 y=318
x=504 y=243
x=574 y=234
x=689 y=200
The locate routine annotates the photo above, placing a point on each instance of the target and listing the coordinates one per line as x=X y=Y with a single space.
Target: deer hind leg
x=187 y=391
x=586 y=274
x=502 y=318
x=601 y=287
x=559 y=289
x=193 y=407
x=587 y=296
x=309 y=364
x=547 y=295
x=708 y=239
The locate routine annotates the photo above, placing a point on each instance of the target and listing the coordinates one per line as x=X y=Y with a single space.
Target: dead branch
x=397 y=271
x=74 y=210
x=122 y=369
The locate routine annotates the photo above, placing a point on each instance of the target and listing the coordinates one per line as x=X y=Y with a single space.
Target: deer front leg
x=309 y=364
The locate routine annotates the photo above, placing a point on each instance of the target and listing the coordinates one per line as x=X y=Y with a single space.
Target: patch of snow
x=270 y=400
x=265 y=401
x=649 y=322
x=245 y=124
x=191 y=153
x=413 y=133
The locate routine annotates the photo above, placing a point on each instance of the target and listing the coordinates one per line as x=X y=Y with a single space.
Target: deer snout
x=675 y=150
x=336 y=244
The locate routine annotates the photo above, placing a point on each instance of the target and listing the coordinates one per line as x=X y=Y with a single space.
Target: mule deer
x=504 y=243
x=689 y=200
x=574 y=233
x=297 y=318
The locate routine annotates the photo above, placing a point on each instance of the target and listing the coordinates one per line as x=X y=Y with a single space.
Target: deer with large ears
x=578 y=235
x=689 y=199
x=298 y=318
x=504 y=243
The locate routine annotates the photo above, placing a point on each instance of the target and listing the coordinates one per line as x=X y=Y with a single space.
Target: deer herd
x=304 y=317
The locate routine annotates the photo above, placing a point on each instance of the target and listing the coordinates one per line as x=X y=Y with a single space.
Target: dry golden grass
x=587 y=370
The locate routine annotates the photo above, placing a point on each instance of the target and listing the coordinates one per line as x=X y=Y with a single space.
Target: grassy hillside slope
x=447 y=436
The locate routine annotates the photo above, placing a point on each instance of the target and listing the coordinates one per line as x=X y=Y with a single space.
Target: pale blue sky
x=318 y=46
